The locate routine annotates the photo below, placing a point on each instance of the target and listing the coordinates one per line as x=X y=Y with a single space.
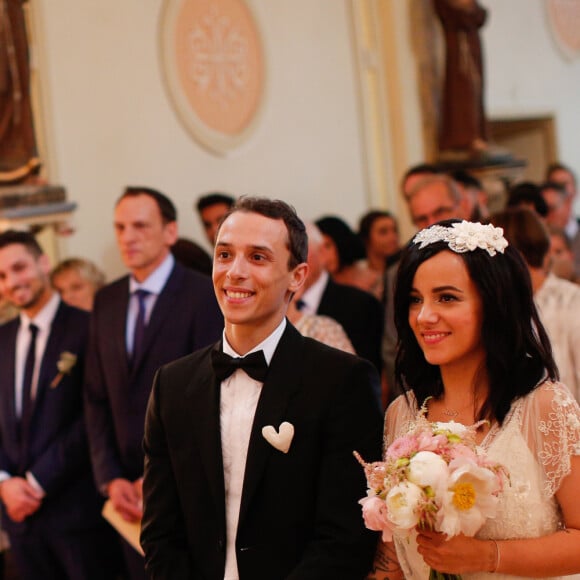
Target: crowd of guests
x=81 y=356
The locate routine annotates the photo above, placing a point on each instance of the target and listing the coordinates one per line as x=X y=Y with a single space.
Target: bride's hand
x=456 y=555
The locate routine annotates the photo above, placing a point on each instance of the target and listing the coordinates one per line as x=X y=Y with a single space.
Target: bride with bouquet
x=482 y=451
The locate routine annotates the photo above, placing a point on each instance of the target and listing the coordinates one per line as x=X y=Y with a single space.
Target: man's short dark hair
x=278 y=210
x=25 y=239
x=527 y=194
x=165 y=205
x=559 y=167
x=214 y=198
x=465 y=178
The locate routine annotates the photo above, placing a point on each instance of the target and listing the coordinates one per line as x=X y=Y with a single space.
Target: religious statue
x=463 y=126
x=18 y=152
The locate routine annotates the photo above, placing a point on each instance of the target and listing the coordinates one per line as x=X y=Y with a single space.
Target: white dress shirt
x=313 y=296
x=43 y=320
x=239 y=395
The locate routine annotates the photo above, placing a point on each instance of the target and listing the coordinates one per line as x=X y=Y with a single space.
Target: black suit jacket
x=299 y=516
x=57 y=453
x=185 y=318
x=360 y=314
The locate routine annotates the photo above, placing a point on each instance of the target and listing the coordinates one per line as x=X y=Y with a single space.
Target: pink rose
x=402 y=447
x=374 y=511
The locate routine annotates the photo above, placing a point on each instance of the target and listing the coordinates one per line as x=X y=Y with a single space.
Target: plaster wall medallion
x=214 y=69
x=564 y=17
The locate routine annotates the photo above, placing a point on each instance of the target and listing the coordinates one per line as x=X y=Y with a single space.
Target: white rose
x=428 y=469
x=403 y=502
x=453 y=427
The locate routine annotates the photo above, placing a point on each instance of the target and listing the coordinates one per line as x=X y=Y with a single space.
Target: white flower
x=464 y=237
x=469 y=499
x=403 y=502
x=427 y=469
x=453 y=427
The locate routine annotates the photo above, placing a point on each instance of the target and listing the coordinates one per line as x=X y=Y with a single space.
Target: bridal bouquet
x=433 y=477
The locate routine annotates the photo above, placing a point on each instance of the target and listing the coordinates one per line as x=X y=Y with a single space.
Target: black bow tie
x=254 y=365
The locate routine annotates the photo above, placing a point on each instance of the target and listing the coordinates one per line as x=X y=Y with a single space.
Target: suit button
x=221 y=545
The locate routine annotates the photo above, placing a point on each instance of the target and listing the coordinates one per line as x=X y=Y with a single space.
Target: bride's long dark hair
x=518 y=351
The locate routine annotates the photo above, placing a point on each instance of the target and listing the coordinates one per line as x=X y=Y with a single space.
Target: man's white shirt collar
x=313 y=296
x=155 y=282
x=268 y=345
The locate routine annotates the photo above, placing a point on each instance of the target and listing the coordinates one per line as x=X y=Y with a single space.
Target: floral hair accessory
x=464 y=237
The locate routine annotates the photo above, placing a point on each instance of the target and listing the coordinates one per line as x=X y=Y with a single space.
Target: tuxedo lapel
x=8 y=376
x=283 y=380
x=202 y=395
x=117 y=331
x=48 y=367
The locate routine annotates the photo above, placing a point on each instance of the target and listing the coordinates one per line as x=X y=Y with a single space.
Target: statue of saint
x=463 y=126
x=18 y=153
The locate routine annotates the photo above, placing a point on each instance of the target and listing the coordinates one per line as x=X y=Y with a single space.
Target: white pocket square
x=281 y=439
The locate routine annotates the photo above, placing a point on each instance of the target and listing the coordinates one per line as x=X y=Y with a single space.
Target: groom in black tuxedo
x=249 y=471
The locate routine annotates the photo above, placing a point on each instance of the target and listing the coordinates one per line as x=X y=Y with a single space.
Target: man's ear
x=171 y=233
x=299 y=275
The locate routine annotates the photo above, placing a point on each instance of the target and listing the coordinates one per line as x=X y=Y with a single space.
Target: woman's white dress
x=539 y=435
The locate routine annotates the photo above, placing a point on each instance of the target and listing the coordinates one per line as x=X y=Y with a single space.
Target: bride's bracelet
x=497 y=557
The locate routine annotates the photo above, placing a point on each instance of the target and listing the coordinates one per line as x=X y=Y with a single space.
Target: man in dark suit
x=160 y=312
x=358 y=312
x=51 y=508
x=560 y=201
x=249 y=471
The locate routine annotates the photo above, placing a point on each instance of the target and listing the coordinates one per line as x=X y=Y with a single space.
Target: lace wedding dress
x=539 y=435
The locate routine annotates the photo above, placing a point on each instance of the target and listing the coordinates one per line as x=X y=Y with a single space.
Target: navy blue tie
x=140 y=324
x=27 y=381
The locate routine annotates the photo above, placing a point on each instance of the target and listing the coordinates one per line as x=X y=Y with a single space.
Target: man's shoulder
x=189 y=363
x=71 y=315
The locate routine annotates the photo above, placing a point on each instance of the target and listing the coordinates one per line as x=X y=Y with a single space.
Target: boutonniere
x=281 y=439
x=65 y=364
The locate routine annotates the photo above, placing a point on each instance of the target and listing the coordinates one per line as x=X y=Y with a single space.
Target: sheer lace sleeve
x=400 y=414
x=551 y=423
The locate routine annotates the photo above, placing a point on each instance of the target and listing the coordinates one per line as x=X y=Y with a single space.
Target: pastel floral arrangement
x=434 y=477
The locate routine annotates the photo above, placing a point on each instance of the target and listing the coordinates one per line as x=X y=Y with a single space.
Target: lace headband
x=464 y=237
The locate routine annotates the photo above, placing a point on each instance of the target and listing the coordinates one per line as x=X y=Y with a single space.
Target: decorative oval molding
x=564 y=16
x=214 y=69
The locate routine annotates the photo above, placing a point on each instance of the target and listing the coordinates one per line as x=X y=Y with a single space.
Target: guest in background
x=342 y=253
x=321 y=328
x=473 y=195
x=417 y=173
x=77 y=281
x=527 y=195
x=557 y=300
x=212 y=207
x=358 y=312
x=559 y=197
x=192 y=255
x=561 y=254
x=159 y=312
x=50 y=505
x=379 y=232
